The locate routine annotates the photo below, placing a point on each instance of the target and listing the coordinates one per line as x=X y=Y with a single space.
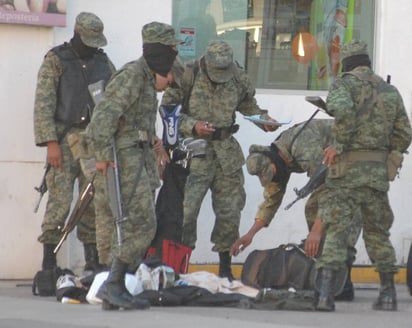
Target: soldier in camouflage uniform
x=370 y=124
x=127 y=113
x=220 y=89
x=299 y=149
x=62 y=108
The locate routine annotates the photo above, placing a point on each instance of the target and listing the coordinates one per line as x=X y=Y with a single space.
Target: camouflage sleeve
x=273 y=196
x=402 y=134
x=342 y=108
x=248 y=104
x=172 y=96
x=112 y=66
x=120 y=93
x=186 y=125
x=46 y=99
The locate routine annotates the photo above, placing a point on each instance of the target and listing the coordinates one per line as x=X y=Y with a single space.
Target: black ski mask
x=81 y=49
x=159 y=57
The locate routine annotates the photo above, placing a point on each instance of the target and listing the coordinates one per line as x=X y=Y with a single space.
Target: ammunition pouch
x=340 y=167
x=79 y=145
x=225 y=132
x=82 y=151
x=394 y=164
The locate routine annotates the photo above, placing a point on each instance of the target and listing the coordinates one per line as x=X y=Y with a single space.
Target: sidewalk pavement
x=20 y=309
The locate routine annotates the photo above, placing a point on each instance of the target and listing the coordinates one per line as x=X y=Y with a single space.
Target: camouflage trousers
x=337 y=211
x=311 y=213
x=105 y=225
x=60 y=183
x=104 y=220
x=139 y=228
x=228 y=200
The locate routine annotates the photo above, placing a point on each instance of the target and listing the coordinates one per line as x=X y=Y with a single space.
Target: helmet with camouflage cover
x=219 y=61
x=259 y=164
x=90 y=29
x=353 y=48
x=156 y=32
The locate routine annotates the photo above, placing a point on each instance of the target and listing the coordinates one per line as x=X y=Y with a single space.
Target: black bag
x=281 y=299
x=44 y=281
x=192 y=296
x=282 y=267
x=409 y=271
x=169 y=206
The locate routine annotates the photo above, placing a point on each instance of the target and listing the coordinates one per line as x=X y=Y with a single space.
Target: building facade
x=289 y=49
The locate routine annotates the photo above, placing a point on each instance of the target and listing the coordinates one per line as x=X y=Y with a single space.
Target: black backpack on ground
x=44 y=281
x=280 y=268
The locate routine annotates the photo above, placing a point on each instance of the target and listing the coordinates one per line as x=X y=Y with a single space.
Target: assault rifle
x=42 y=188
x=318 y=102
x=96 y=91
x=314 y=182
x=115 y=195
x=83 y=201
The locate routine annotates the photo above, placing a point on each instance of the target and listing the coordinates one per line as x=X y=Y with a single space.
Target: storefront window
x=282 y=44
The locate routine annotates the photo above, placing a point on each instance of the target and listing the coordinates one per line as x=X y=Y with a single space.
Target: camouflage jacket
x=128 y=110
x=369 y=116
x=218 y=104
x=305 y=154
x=46 y=127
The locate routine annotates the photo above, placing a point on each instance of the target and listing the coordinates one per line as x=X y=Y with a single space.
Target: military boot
x=325 y=285
x=113 y=292
x=91 y=258
x=348 y=292
x=49 y=258
x=386 y=300
x=225 y=269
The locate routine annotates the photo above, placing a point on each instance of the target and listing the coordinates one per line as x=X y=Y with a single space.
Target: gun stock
x=317 y=179
x=317 y=101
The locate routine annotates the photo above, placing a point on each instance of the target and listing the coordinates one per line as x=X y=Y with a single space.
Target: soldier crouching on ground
x=299 y=149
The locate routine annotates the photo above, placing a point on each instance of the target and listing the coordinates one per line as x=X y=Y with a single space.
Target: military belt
x=224 y=133
x=367 y=156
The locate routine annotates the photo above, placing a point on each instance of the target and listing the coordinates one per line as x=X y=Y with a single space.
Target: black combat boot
x=348 y=292
x=325 y=284
x=386 y=300
x=49 y=258
x=225 y=262
x=113 y=292
x=91 y=258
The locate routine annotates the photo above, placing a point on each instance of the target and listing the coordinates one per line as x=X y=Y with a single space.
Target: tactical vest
x=74 y=104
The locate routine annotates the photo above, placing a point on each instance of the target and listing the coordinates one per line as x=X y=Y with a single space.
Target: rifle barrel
x=291 y=204
x=61 y=241
x=36 y=207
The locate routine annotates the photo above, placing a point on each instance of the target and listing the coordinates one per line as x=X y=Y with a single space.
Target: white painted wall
x=21 y=163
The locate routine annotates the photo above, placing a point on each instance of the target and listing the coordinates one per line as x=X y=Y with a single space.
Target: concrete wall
x=21 y=163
